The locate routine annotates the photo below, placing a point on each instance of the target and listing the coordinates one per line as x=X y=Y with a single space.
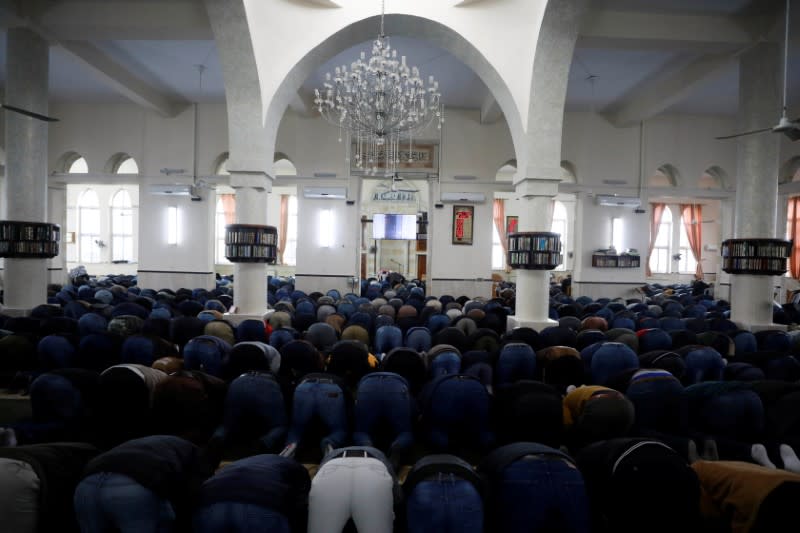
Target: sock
x=759 y=454
x=790 y=460
x=710 y=452
x=691 y=451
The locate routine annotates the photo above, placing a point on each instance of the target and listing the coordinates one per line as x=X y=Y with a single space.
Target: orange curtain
x=283 y=226
x=229 y=207
x=655 y=222
x=794 y=235
x=692 y=215
x=499 y=216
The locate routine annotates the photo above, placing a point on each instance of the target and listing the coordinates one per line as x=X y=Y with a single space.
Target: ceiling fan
x=27 y=113
x=790 y=128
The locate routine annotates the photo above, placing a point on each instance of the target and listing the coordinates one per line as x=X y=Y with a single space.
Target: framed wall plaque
x=512 y=224
x=463 y=222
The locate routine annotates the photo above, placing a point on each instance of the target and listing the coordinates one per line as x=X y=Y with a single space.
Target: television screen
x=399 y=227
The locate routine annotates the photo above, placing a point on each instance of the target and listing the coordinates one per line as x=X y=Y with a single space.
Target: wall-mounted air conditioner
x=325 y=193
x=173 y=189
x=467 y=197
x=610 y=200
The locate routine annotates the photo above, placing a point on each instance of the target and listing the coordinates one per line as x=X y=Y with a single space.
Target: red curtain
x=692 y=215
x=499 y=216
x=283 y=227
x=794 y=235
x=229 y=207
x=655 y=222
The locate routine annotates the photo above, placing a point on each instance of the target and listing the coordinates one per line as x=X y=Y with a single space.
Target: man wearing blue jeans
x=141 y=485
x=322 y=395
x=456 y=413
x=383 y=401
x=259 y=493
x=535 y=488
x=443 y=495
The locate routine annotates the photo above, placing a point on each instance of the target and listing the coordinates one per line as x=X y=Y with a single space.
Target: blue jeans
x=540 y=494
x=659 y=404
x=703 y=364
x=58 y=412
x=445 y=363
x=459 y=408
x=517 y=361
x=254 y=407
x=107 y=502
x=445 y=504
x=384 y=397
x=234 y=517
x=734 y=419
x=326 y=400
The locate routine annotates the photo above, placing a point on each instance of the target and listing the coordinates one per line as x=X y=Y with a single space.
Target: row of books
x=540 y=242
x=616 y=261
x=756 y=248
x=754 y=265
x=251 y=236
x=249 y=251
x=544 y=260
x=28 y=249
x=29 y=231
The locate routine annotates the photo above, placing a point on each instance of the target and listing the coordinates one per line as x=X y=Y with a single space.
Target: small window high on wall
x=78 y=166
x=89 y=243
x=121 y=227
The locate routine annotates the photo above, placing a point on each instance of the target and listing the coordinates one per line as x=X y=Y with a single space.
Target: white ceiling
x=605 y=73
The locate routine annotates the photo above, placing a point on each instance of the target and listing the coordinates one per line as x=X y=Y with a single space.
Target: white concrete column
x=57 y=214
x=250 y=279
x=757 y=177
x=533 y=286
x=27 y=69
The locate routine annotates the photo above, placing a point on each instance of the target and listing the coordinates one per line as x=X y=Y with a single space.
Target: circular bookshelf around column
x=757 y=257
x=29 y=240
x=251 y=243
x=534 y=250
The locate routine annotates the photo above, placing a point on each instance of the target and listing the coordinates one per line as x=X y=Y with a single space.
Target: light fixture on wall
x=173 y=227
x=380 y=104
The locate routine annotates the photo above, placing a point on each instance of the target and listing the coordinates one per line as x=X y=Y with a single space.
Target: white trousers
x=351 y=487
x=19 y=497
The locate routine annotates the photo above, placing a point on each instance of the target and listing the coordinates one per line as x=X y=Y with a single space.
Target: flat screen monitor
x=397 y=227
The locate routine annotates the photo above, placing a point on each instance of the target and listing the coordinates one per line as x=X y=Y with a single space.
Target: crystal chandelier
x=380 y=104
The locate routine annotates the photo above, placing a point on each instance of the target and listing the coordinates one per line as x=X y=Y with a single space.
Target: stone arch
x=66 y=160
x=400 y=25
x=667 y=175
x=714 y=177
x=790 y=171
x=506 y=171
x=570 y=173
x=220 y=164
x=114 y=162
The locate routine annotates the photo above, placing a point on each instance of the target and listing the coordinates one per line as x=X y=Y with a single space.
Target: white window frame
x=121 y=239
x=88 y=246
x=663 y=252
x=219 y=234
x=290 y=251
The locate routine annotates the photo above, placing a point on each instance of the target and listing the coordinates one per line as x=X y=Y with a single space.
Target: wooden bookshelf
x=29 y=240
x=534 y=250
x=251 y=243
x=759 y=257
x=616 y=261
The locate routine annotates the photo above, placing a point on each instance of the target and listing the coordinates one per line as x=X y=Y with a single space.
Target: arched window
x=89 y=242
x=221 y=166
x=121 y=227
x=127 y=166
x=78 y=166
x=560 y=226
x=284 y=167
x=661 y=257
x=221 y=218
x=687 y=263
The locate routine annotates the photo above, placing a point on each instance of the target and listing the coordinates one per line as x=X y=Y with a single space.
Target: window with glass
x=687 y=263
x=127 y=165
x=89 y=243
x=121 y=227
x=78 y=166
x=219 y=232
x=290 y=252
x=560 y=226
x=660 y=259
x=498 y=257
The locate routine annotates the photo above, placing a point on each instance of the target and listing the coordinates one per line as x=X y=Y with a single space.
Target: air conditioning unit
x=325 y=193
x=467 y=197
x=610 y=200
x=173 y=189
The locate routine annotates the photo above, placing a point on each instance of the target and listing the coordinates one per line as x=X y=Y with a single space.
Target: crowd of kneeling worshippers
x=392 y=410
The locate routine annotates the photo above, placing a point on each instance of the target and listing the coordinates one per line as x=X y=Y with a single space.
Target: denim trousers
x=57 y=407
x=326 y=400
x=734 y=419
x=459 y=410
x=540 y=493
x=444 y=504
x=235 y=517
x=107 y=501
x=254 y=407
x=384 y=399
x=659 y=404
x=360 y=488
x=517 y=361
x=19 y=496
